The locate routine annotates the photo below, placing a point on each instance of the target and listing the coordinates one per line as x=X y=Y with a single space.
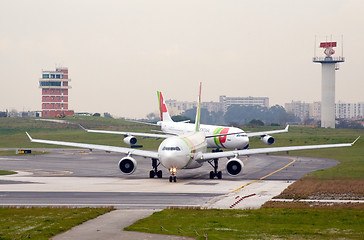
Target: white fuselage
x=181 y=151
x=236 y=141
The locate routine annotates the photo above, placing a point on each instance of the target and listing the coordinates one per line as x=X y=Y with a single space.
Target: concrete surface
x=111 y=225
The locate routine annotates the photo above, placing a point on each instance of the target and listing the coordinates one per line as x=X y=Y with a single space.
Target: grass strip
x=266 y=223
x=43 y=223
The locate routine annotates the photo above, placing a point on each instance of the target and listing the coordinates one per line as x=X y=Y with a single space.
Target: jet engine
x=127 y=165
x=234 y=166
x=268 y=140
x=130 y=140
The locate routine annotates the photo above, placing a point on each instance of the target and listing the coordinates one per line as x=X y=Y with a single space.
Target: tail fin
x=198 y=111
x=163 y=108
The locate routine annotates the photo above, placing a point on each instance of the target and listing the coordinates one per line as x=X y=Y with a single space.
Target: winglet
x=286 y=129
x=30 y=138
x=355 y=141
x=84 y=129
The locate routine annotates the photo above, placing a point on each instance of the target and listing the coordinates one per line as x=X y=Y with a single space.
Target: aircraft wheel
x=170 y=178
x=212 y=175
x=219 y=174
x=159 y=174
x=151 y=174
x=174 y=179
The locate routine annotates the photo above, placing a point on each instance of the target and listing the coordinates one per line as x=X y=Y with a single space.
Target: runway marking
x=293 y=161
x=238 y=201
x=45 y=172
x=12 y=159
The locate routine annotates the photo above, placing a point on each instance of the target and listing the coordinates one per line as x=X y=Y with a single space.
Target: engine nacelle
x=127 y=165
x=130 y=140
x=234 y=166
x=268 y=140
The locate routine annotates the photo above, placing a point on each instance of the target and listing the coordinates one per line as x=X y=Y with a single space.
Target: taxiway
x=81 y=178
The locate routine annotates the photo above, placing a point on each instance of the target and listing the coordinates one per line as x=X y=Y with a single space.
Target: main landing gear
x=173 y=177
x=155 y=171
x=215 y=164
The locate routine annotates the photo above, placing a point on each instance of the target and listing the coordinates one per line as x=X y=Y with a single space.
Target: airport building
x=55 y=86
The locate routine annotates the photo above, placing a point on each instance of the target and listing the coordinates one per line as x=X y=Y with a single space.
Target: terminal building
x=55 y=86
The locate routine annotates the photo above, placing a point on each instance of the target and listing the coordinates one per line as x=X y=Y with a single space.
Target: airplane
x=225 y=137
x=185 y=151
x=240 y=140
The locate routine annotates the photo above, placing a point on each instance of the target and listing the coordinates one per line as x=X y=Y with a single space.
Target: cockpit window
x=171 y=149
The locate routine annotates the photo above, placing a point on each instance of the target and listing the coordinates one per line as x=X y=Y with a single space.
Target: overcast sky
x=119 y=53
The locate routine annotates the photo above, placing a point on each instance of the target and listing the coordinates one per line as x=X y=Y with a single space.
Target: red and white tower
x=54 y=85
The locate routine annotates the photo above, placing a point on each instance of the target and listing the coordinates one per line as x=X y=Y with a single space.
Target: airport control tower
x=54 y=85
x=329 y=66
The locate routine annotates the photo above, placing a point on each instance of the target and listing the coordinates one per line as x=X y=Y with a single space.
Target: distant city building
x=243 y=101
x=55 y=86
x=177 y=107
x=313 y=110
x=349 y=110
x=299 y=109
x=15 y=114
x=213 y=106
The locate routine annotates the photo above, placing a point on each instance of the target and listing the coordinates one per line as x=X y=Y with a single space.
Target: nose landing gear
x=173 y=177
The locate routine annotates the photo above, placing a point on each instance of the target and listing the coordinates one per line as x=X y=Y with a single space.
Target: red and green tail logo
x=162 y=105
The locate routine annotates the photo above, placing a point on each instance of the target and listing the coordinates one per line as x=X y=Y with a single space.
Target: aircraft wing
x=136 y=134
x=254 y=134
x=247 y=152
x=141 y=122
x=129 y=151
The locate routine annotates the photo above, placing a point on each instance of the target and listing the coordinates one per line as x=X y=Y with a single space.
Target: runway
x=82 y=178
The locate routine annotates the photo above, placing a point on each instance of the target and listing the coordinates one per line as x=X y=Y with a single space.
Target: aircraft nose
x=169 y=160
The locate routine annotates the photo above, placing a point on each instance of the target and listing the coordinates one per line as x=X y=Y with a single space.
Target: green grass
x=351 y=158
x=43 y=223
x=266 y=223
x=12 y=132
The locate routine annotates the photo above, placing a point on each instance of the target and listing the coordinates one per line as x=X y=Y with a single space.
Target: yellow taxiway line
x=293 y=160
